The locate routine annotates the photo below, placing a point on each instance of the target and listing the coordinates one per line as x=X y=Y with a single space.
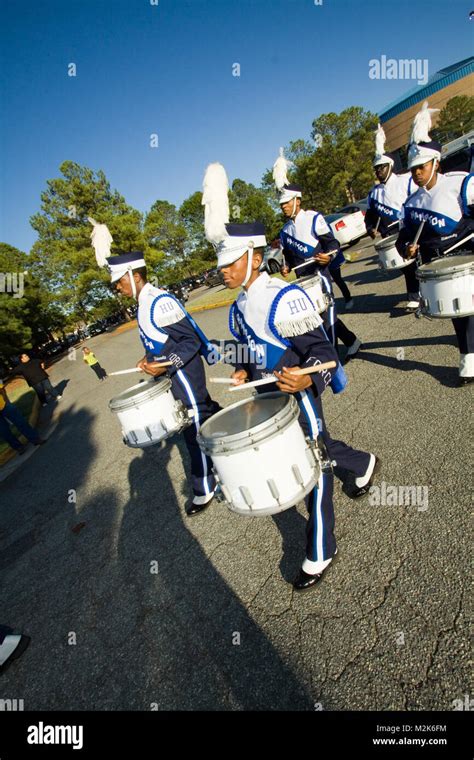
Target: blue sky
x=167 y=69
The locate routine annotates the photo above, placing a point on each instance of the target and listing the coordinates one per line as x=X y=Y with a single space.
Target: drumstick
x=305 y=264
x=303 y=371
x=460 y=243
x=227 y=380
x=419 y=231
x=155 y=365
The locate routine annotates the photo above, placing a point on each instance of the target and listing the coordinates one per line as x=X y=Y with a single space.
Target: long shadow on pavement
x=181 y=653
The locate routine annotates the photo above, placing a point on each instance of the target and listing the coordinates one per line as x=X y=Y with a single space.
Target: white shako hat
x=286 y=190
x=231 y=241
x=422 y=148
x=380 y=156
x=127 y=262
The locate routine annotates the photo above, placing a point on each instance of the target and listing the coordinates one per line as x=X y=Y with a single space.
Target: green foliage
x=29 y=319
x=336 y=167
x=63 y=256
x=455 y=119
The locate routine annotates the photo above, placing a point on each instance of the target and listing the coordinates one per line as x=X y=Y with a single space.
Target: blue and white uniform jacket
x=279 y=326
x=448 y=212
x=305 y=236
x=385 y=201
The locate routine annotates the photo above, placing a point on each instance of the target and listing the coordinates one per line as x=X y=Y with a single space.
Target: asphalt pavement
x=131 y=605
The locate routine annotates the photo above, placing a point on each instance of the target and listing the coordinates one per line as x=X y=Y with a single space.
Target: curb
x=207 y=307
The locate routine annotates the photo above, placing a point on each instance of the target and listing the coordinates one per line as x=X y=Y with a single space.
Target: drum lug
x=320 y=453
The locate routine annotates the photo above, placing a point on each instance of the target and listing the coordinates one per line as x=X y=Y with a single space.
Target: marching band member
x=384 y=204
x=445 y=203
x=306 y=236
x=278 y=321
x=169 y=333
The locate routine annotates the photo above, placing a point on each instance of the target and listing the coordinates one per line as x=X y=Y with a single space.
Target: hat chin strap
x=132 y=283
x=432 y=171
x=293 y=213
x=389 y=173
x=249 y=264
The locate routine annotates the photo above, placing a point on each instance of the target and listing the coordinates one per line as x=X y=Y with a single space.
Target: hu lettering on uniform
x=294 y=309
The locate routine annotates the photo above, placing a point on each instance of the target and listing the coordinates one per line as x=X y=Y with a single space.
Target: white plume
x=215 y=200
x=101 y=240
x=280 y=169
x=422 y=124
x=380 y=141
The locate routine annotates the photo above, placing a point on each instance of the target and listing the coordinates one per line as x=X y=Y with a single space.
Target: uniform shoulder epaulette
x=292 y=313
x=165 y=310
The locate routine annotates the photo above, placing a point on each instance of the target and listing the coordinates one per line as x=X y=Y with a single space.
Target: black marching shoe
x=361 y=490
x=304 y=580
x=13 y=645
x=195 y=509
x=465 y=381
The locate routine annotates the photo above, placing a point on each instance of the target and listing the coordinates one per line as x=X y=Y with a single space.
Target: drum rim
x=150 y=389
x=448 y=271
x=316 y=276
x=242 y=441
x=388 y=242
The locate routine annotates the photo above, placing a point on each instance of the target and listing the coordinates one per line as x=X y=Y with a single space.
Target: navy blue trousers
x=196 y=397
x=320 y=539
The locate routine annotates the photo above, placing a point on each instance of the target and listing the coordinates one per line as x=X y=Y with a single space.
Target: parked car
x=353 y=207
x=347 y=228
x=214 y=277
x=273 y=259
x=458 y=155
x=177 y=290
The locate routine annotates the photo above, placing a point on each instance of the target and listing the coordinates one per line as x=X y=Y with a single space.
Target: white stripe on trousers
x=318 y=518
x=188 y=390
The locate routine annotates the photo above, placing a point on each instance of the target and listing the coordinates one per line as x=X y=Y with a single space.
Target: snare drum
x=262 y=460
x=149 y=413
x=447 y=286
x=389 y=258
x=313 y=286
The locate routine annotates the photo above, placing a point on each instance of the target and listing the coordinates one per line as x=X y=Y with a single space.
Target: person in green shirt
x=10 y=415
x=93 y=363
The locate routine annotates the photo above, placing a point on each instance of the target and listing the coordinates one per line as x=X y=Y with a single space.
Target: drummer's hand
x=411 y=251
x=372 y=234
x=291 y=383
x=285 y=271
x=239 y=377
x=151 y=369
x=141 y=363
x=323 y=258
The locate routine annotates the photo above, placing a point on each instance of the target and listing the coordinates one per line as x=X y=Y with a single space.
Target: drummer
x=279 y=322
x=306 y=236
x=169 y=333
x=445 y=203
x=384 y=204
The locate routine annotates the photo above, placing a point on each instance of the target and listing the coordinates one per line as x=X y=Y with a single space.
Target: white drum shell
x=267 y=476
x=389 y=258
x=314 y=288
x=148 y=421
x=447 y=292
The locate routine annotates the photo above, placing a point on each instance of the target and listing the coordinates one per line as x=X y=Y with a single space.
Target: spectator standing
x=37 y=378
x=91 y=359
